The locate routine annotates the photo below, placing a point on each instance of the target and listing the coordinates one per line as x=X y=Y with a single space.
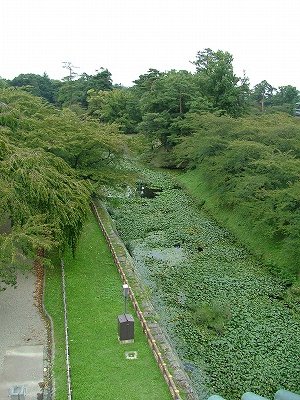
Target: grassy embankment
x=99 y=366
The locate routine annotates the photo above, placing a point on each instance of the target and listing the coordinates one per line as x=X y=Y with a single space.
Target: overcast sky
x=130 y=36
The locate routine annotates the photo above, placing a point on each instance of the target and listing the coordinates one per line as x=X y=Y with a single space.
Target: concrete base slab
x=23 y=366
x=23 y=337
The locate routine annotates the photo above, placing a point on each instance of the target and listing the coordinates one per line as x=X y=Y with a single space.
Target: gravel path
x=22 y=334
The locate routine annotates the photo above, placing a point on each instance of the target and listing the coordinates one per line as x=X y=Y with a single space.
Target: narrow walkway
x=23 y=338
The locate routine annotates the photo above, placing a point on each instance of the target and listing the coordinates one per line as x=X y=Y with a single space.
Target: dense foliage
x=68 y=92
x=47 y=160
x=38 y=85
x=159 y=100
x=76 y=91
x=226 y=91
x=115 y=106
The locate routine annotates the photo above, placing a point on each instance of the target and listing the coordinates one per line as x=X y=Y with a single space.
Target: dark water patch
x=148 y=192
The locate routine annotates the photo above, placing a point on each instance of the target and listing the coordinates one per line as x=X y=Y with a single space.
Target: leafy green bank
x=223 y=310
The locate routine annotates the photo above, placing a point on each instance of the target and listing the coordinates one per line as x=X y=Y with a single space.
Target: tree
x=171 y=92
x=75 y=91
x=86 y=145
x=218 y=82
x=286 y=95
x=102 y=80
x=38 y=85
x=48 y=158
x=168 y=100
x=145 y=81
x=44 y=201
x=263 y=93
x=71 y=68
x=118 y=106
x=3 y=83
x=72 y=92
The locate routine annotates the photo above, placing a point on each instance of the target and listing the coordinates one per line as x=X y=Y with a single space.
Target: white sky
x=130 y=36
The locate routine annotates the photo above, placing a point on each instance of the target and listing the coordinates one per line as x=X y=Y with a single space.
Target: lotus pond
x=224 y=312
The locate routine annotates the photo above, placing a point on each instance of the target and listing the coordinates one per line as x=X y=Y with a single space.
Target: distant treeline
x=158 y=100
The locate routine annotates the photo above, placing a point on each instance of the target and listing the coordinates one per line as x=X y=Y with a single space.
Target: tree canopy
x=46 y=159
x=219 y=84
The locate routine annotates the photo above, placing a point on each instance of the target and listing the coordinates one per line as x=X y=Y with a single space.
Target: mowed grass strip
x=99 y=367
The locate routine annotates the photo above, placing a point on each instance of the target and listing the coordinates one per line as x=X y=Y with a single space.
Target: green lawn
x=94 y=294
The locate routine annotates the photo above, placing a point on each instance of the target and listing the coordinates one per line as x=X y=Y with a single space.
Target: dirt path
x=23 y=339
